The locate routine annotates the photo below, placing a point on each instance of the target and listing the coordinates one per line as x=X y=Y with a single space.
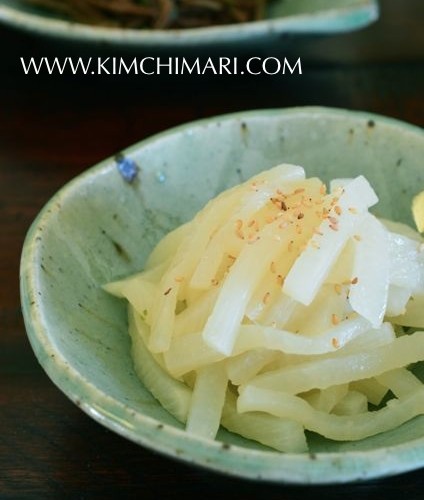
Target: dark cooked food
x=156 y=14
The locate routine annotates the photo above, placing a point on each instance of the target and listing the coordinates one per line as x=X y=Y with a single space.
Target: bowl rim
x=333 y=20
x=340 y=467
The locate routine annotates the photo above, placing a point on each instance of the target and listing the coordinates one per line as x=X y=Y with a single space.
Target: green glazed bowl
x=282 y=17
x=100 y=228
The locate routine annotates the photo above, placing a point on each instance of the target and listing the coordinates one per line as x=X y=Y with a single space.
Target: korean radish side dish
x=282 y=307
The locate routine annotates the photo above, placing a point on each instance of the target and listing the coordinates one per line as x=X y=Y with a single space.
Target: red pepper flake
x=167 y=291
x=354 y=280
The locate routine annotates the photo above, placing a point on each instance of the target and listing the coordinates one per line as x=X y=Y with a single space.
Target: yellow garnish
x=418 y=211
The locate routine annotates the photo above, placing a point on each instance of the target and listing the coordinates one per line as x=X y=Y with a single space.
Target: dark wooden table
x=51 y=129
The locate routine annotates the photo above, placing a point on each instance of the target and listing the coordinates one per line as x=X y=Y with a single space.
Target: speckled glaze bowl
x=282 y=17
x=100 y=227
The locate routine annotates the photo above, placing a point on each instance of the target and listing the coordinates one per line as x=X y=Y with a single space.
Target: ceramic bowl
x=283 y=16
x=101 y=227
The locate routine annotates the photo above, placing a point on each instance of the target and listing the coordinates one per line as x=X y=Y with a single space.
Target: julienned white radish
x=312 y=267
x=371 y=271
x=272 y=312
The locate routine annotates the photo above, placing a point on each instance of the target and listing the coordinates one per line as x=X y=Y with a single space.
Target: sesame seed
x=335 y=319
